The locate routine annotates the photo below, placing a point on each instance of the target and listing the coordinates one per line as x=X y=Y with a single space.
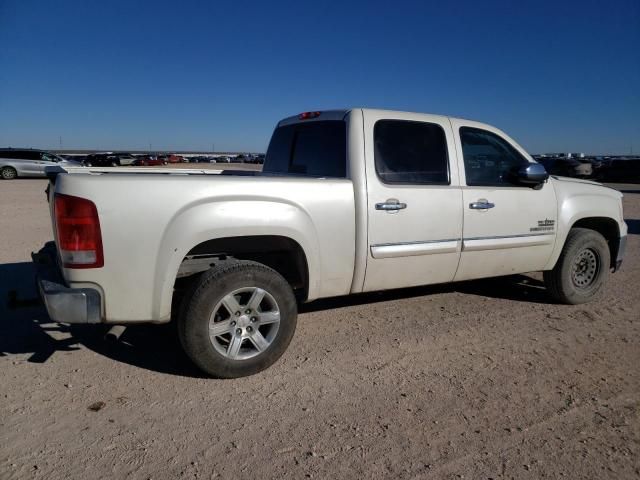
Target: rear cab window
x=315 y=149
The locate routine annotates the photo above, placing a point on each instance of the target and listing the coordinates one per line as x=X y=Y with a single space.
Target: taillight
x=78 y=232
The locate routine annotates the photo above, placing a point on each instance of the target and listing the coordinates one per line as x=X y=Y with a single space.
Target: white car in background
x=29 y=162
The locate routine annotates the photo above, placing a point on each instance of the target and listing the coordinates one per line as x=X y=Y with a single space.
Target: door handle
x=481 y=205
x=391 y=206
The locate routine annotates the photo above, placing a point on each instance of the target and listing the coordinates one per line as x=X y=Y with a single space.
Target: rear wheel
x=581 y=270
x=8 y=173
x=238 y=319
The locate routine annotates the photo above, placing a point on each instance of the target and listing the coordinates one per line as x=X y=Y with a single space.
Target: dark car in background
x=106 y=159
x=620 y=170
x=566 y=167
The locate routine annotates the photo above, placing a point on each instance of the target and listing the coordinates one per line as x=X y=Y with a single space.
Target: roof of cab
x=340 y=114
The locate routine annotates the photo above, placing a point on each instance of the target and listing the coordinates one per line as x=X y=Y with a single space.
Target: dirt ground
x=483 y=379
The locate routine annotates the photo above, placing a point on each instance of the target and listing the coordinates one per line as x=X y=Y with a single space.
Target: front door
x=414 y=200
x=508 y=228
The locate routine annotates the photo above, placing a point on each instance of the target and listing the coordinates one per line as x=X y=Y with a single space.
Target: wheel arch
x=281 y=253
x=604 y=225
x=234 y=228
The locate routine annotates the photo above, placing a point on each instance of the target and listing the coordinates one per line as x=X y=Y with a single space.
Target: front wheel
x=581 y=270
x=238 y=319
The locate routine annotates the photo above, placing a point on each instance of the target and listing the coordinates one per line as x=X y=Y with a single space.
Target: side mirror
x=532 y=174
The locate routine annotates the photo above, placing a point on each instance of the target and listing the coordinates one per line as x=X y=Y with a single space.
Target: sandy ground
x=483 y=379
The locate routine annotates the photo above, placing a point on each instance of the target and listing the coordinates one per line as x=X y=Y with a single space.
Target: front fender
x=229 y=217
x=598 y=202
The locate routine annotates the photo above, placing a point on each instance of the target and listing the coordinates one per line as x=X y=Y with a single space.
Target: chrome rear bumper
x=64 y=304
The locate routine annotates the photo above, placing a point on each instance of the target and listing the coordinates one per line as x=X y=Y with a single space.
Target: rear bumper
x=622 y=247
x=64 y=304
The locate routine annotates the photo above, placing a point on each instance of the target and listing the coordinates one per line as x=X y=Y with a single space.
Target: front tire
x=8 y=173
x=581 y=270
x=238 y=319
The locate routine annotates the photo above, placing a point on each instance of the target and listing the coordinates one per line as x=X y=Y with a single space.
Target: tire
x=115 y=163
x=248 y=340
x=88 y=164
x=581 y=270
x=8 y=173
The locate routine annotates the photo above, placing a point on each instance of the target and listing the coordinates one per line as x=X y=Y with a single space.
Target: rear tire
x=581 y=270
x=238 y=319
x=8 y=173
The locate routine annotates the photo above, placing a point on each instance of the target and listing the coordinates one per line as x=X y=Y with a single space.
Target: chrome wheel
x=585 y=268
x=244 y=323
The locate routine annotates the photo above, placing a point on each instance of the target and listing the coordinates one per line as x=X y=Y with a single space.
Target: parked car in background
x=173 y=158
x=125 y=158
x=566 y=167
x=28 y=162
x=75 y=158
x=620 y=170
x=149 y=160
x=104 y=159
x=255 y=159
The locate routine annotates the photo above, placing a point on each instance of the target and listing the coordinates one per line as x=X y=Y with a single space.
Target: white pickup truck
x=348 y=201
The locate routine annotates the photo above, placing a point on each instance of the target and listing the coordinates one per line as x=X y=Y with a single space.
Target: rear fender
x=224 y=218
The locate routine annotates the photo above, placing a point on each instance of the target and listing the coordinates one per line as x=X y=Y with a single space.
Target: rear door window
x=317 y=149
x=409 y=152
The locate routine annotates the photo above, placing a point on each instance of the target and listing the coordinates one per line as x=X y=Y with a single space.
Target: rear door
x=414 y=201
x=508 y=228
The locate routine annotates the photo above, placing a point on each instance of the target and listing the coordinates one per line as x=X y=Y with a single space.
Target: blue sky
x=557 y=76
